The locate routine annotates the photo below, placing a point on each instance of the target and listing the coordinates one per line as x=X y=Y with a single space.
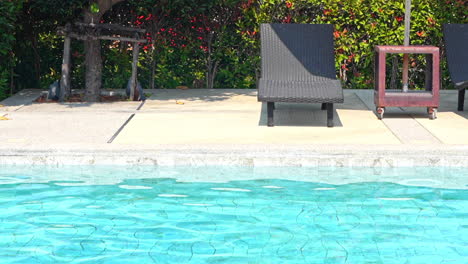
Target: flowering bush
x=359 y=26
x=215 y=43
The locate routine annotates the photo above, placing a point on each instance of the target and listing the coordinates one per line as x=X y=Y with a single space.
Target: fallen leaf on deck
x=4 y=118
x=179 y=103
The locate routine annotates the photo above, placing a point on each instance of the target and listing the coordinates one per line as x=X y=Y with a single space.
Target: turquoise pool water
x=233 y=215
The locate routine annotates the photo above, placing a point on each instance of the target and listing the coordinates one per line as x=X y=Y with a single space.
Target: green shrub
x=9 y=10
x=182 y=60
x=360 y=25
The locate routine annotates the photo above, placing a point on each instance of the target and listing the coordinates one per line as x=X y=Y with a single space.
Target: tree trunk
x=213 y=73
x=210 y=68
x=153 y=67
x=93 y=70
x=208 y=72
x=12 y=80
x=93 y=60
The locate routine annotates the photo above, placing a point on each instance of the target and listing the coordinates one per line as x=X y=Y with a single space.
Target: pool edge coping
x=248 y=155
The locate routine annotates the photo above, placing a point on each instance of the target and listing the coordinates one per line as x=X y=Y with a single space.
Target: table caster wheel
x=432 y=113
x=380 y=112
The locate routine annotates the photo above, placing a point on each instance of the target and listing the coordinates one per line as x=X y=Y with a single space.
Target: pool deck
x=228 y=127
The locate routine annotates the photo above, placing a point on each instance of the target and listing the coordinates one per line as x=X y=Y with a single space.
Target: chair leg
x=330 y=115
x=461 y=99
x=324 y=106
x=270 y=108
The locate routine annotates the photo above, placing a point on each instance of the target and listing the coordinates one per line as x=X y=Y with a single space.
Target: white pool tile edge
x=292 y=158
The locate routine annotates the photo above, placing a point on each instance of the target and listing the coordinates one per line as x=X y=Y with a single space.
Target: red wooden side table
x=388 y=98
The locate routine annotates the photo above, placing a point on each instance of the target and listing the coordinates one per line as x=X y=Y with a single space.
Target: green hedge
x=359 y=26
x=9 y=10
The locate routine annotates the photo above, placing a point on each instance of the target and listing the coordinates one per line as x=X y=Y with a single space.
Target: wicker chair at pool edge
x=298 y=66
x=456 y=45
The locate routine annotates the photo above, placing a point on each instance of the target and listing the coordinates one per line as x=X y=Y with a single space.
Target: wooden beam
x=123 y=39
x=90 y=37
x=111 y=27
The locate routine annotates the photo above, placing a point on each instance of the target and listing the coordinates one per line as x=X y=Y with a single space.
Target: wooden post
x=133 y=80
x=65 y=86
x=406 y=43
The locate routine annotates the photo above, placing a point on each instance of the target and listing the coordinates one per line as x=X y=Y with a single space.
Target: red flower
x=421 y=33
x=431 y=21
x=327 y=12
x=336 y=34
x=289 y=4
x=399 y=18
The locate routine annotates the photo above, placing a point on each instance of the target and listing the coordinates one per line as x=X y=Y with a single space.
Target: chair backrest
x=297 y=52
x=456 y=46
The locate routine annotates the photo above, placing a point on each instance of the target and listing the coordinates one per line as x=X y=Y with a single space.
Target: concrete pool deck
x=228 y=127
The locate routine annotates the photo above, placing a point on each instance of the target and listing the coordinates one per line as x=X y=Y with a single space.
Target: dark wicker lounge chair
x=298 y=66
x=456 y=45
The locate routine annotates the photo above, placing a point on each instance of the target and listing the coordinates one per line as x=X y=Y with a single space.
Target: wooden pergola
x=83 y=31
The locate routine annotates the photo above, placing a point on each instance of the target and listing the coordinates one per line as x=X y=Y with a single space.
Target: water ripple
x=164 y=221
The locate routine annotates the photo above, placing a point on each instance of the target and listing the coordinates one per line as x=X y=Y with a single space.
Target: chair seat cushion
x=317 y=91
x=461 y=85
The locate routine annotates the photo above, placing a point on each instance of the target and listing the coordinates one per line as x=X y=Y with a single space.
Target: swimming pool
x=233 y=215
